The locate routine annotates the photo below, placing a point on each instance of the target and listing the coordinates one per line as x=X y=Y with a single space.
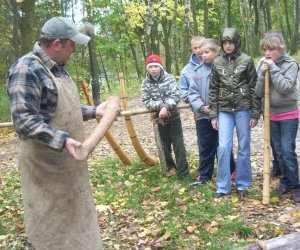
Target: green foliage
x=4 y=105
x=133 y=89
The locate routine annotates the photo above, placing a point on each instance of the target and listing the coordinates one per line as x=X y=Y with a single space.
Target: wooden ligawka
x=266 y=169
x=110 y=115
x=148 y=159
x=108 y=135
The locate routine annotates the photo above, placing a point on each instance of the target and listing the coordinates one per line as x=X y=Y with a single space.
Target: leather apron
x=58 y=203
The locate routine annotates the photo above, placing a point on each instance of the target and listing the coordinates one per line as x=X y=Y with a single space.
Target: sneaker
x=186 y=177
x=233 y=176
x=275 y=174
x=219 y=195
x=197 y=181
x=242 y=193
x=296 y=195
x=170 y=172
x=280 y=190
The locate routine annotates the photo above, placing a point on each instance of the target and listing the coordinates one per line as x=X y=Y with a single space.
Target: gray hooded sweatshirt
x=283 y=84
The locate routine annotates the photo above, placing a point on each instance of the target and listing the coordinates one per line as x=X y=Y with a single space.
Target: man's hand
x=253 y=122
x=215 y=123
x=112 y=102
x=164 y=113
x=71 y=145
x=100 y=109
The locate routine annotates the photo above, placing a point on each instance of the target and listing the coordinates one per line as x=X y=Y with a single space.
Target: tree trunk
x=26 y=25
x=194 y=15
x=289 y=33
x=166 y=27
x=136 y=64
x=256 y=14
x=267 y=15
x=224 y=14
x=94 y=66
x=154 y=38
x=244 y=21
x=205 y=18
x=186 y=33
x=295 y=35
x=278 y=10
x=148 y=26
x=104 y=71
x=16 y=39
x=175 y=41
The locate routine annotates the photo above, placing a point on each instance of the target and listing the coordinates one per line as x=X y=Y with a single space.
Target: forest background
x=126 y=32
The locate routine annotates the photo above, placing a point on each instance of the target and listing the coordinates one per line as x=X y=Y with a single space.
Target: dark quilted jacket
x=232 y=85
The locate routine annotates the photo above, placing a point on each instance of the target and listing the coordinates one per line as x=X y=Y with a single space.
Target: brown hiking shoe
x=296 y=195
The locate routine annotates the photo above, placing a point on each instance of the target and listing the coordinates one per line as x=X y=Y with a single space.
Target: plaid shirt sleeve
x=33 y=99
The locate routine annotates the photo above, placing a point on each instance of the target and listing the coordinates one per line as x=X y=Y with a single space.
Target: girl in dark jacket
x=233 y=104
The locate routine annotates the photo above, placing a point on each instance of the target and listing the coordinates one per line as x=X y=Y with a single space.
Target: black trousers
x=171 y=135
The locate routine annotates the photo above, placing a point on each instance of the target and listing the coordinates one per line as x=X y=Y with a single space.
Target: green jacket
x=233 y=80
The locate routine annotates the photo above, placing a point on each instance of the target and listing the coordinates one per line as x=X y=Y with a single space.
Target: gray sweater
x=283 y=84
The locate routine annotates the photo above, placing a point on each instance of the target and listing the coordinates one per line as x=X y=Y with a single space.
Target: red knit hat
x=154 y=60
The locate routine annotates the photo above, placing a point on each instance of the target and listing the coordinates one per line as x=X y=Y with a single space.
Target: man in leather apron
x=58 y=203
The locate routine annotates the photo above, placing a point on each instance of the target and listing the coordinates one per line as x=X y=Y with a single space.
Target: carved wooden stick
x=110 y=115
x=266 y=169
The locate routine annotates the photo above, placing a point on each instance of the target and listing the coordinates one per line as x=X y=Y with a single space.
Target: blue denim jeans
x=207 y=138
x=283 y=135
x=227 y=122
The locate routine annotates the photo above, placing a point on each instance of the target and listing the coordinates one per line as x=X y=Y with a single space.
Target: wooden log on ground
x=286 y=242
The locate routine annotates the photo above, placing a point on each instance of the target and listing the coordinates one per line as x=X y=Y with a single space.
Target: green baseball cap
x=63 y=28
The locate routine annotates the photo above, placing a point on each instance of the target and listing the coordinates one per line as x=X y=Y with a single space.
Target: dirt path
x=143 y=127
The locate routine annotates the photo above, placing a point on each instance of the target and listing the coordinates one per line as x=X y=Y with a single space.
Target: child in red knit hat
x=160 y=94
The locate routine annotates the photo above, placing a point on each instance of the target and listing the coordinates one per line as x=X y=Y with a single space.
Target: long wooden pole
x=160 y=146
x=266 y=170
x=123 y=113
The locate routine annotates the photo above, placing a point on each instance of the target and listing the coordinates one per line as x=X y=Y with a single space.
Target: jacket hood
x=231 y=34
x=194 y=59
x=285 y=58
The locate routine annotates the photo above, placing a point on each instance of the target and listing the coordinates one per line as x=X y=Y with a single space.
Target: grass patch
x=4 y=105
x=139 y=208
x=133 y=89
x=163 y=212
